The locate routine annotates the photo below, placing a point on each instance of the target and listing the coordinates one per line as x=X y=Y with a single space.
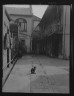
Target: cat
x=33 y=69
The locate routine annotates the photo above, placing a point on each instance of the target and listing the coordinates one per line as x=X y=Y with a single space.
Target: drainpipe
x=64 y=33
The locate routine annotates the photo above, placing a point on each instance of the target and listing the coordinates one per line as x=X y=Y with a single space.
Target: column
x=66 y=32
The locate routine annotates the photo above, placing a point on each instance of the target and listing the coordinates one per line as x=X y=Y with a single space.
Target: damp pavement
x=51 y=76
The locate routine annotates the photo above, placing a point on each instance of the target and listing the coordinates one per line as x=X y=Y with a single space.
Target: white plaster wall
x=67 y=19
x=6 y=21
x=3 y=34
x=66 y=31
x=67 y=46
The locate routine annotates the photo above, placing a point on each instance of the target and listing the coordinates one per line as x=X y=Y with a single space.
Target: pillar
x=66 y=32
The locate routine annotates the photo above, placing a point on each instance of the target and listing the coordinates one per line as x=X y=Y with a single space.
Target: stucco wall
x=6 y=22
x=3 y=34
x=66 y=31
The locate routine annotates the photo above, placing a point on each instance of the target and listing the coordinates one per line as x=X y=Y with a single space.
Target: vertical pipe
x=7 y=47
x=64 y=32
x=63 y=38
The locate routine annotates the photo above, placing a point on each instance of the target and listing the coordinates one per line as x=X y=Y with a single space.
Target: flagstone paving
x=49 y=78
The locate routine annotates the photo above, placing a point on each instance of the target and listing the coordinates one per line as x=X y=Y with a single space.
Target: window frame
x=23 y=21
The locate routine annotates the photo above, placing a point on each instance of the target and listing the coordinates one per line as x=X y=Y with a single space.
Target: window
x=23 y=42
x=22 y=24
x=25 y=26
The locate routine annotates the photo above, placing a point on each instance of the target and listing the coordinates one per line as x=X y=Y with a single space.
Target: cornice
x=20 y=15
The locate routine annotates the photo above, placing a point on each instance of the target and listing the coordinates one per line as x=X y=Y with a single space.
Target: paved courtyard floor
x=52 y=76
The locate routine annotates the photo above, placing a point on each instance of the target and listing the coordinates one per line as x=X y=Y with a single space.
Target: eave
x=7 y=15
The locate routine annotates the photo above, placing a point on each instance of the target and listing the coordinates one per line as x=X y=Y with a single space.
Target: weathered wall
x=66 y=31
x=5 y=25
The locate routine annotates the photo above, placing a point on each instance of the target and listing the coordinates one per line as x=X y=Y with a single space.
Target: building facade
x=23 y=18
x=55 y=31
x=6 y=38
x=9 y=39
x=35 y=34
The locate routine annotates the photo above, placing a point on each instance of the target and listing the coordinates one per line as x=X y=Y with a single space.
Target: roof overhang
x=7 y=15
x=20 y=15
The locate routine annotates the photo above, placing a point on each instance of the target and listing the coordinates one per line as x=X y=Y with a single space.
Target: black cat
x=33 y=70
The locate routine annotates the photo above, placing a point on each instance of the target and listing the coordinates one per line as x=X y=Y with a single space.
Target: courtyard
x=51 y=75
